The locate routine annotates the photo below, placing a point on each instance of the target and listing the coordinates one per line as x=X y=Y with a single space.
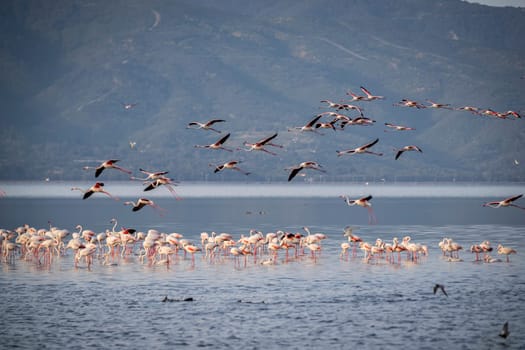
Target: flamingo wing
x=294 y=172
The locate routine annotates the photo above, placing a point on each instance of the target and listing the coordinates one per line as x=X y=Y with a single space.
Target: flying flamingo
x=310 y=126
x=259 y=145
x=206 y=125
x=229 y=165
x=438 y=105
x=97 y=187
x=142 y=202
x=505 y=203
x=406 y=148
x=151 y=175
x=362 y=202
x=167 y=182
x=358 y=121
x=356 y=97
x=369 y=96
x=217 y=145
x=361 y=149
x=409 y=103
x=398 y=127
x=304 y=165
x=474 y=110
x=108 y=164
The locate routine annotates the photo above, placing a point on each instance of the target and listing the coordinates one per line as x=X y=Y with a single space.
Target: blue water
x=302 y=303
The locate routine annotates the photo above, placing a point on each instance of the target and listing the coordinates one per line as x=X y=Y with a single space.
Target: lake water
x=300 y=303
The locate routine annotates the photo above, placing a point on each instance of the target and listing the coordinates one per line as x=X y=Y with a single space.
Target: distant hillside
x=69 y=66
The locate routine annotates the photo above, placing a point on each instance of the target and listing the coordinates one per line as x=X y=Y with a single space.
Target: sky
x=516 y=3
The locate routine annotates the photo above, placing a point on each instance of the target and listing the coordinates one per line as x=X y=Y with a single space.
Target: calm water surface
x=302 y=303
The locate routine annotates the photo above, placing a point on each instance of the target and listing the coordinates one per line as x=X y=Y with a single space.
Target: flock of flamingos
x=45 y=245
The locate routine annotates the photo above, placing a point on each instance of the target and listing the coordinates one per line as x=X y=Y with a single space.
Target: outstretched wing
x=294 y=172
x=268 y=139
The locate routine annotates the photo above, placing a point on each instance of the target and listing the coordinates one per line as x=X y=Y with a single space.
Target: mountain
x=263 y=66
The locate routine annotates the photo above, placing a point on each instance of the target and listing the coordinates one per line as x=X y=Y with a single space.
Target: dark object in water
x=505 y=330
x=172 y=300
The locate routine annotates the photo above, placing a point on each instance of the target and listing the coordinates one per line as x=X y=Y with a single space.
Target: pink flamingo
x=96 y=188
x=259 y=145
x=362 y=202
x=360 y=149
x=369 y=96
x=206 y=125
x=142 y=202
x=229 y=165
x=167 y=182
x=217 y=145
x=398 y=127
x=305 y=165
x=108 y=164
x=400 y=151
x=504 y=203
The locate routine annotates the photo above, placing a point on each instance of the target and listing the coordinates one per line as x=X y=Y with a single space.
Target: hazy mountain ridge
x=264 y=69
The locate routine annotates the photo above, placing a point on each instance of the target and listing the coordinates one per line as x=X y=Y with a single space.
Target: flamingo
x=358 y=121
x=108 y=164
x=352 y=238
x=259 y=145
x=217 y=145
x=327 y=125
x=409 y=103
x=344 y=250
x=360 y=149
x=505 y=202
x=97 y=187
x=167 y=182
x=331 y=104
x=229 y=165
x=369 y=96
x=189 y=248
x=310 y=126
x=356 y=97
x=506 y=251
x=471 y=109
x=398 y=127
x=151 y=175
x=304 y=165
x=438 y=105
x=206 y=125
x=362 y=202
x=141 y=203
x=406 y=148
